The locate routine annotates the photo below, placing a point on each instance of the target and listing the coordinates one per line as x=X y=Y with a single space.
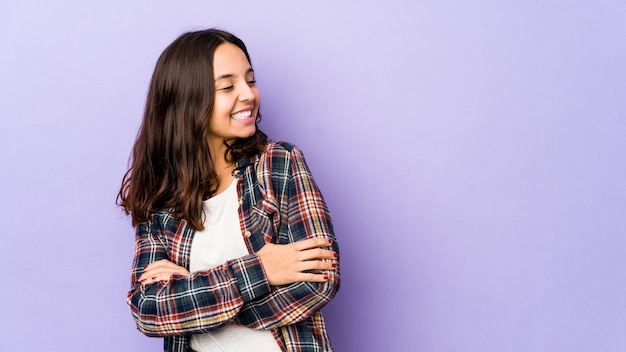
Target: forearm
x=288 y=304
x=199 y=302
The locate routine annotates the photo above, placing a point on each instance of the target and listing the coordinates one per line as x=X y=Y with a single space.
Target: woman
x=234 y=248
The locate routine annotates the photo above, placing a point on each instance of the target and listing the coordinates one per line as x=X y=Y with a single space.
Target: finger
x=311 y=277
x=163 y=276
x=166 y=265
x=160 y=272
x=154 y=272
x=155 y=275
x=312 y=243
x=317 y=265
x=163 y=263
x=317 y=253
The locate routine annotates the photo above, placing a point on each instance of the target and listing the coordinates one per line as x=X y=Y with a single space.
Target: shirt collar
x=245 y=161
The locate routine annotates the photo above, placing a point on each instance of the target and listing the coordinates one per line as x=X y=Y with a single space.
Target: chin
x=249 y=133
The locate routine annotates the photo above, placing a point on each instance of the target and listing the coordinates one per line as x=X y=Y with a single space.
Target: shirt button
x=247 y=234
x=236 y=172
x=241 y=201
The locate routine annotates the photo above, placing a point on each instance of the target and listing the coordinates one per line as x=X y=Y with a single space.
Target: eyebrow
x=229 y=75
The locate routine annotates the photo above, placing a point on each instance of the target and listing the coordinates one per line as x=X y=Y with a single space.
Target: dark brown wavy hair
x=171 y=166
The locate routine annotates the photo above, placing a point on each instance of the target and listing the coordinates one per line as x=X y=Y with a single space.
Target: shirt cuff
x=250 y=277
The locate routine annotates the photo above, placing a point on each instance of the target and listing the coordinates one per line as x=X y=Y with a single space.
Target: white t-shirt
x=220 y=241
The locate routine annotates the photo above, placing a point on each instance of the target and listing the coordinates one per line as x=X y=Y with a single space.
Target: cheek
x=221 y=106
x=257 y=95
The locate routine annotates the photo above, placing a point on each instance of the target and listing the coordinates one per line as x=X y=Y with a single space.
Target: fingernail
x=336 y=255
x=334 y=265
x=325 y=277
x=330 y=241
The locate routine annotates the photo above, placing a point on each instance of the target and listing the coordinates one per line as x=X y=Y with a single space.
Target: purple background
x=472 y=154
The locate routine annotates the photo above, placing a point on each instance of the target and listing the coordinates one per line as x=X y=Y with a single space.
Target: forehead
x=229 y=59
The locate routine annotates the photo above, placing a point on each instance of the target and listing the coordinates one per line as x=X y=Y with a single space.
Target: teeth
x=242 y=115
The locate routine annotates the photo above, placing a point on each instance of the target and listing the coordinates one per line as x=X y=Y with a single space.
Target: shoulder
x=282 y=159
x=280 y=155
x=279 y=146
x=281 y=150
x=278 y=158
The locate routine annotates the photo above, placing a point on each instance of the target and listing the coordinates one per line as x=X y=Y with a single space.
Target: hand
x=287 y=263
x=161 y=270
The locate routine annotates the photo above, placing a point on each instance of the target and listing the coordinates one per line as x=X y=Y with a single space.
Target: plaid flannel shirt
x=279 y=203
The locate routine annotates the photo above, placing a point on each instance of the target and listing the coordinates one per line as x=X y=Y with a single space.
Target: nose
x=246 y=93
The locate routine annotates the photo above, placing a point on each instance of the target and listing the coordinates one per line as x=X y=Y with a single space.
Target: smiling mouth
x=241 y=115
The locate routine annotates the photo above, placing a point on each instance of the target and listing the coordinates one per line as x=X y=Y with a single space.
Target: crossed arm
x=278 y=285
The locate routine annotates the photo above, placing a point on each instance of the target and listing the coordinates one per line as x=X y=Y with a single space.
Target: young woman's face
x=236 y=96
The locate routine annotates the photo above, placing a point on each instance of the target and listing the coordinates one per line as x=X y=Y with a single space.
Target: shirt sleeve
x=196 y=303
x=307 y=216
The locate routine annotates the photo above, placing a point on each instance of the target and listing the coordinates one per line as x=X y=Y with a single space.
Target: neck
x=220 y=165
x=223 y=169
x=218 y=150
x=224 y=172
